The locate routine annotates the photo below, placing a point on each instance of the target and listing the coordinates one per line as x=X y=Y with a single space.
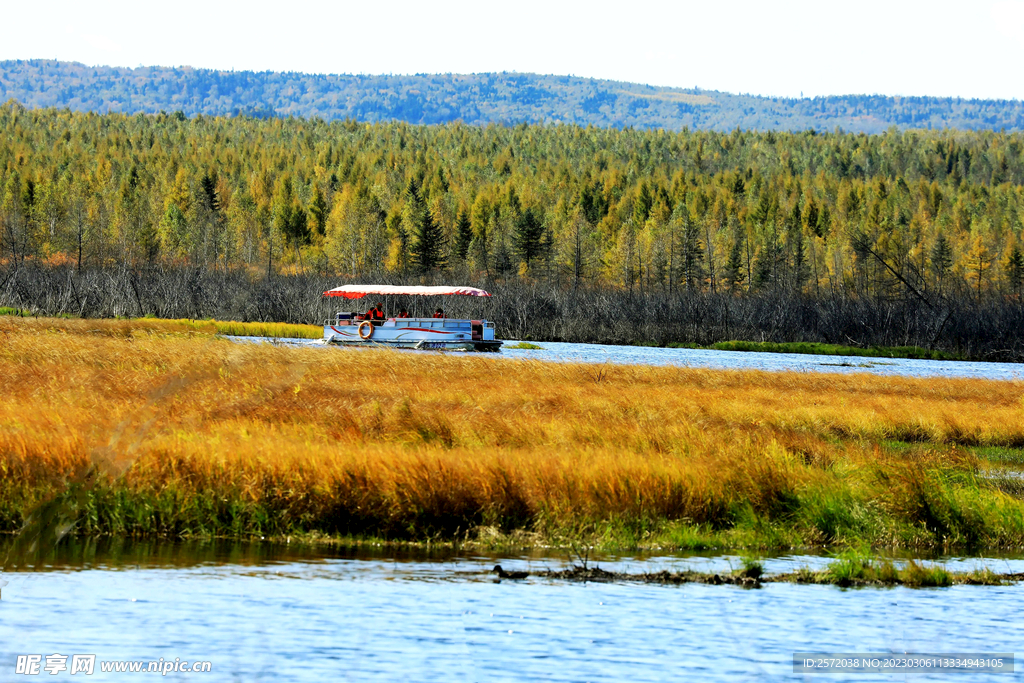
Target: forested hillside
x=916 y=218
x=506 y=98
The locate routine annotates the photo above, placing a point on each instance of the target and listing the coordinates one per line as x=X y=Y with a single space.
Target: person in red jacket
x=376 y=313
x=403 y=314
x=438 y=313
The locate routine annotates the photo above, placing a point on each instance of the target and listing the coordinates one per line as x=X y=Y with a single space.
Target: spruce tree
x=299 y=226
x=801 y=270
x=529 y=232
x=318 y=211
x=811 y=217
x=428 y=239
x=693 y=271
x=738 y=188
x=942 y=258
x=824 y=222
x=642 y=206
x=208 y=185
x=1015 y=270
x=463 y=236
x=734 y=274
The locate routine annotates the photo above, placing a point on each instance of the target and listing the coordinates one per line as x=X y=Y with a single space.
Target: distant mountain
x=477 y=99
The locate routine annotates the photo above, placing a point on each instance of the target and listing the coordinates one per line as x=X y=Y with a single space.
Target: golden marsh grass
x=275 y=330
x=155 y=427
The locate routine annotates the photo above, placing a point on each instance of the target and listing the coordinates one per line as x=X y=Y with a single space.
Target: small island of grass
x=823 y=349
x=525 y=346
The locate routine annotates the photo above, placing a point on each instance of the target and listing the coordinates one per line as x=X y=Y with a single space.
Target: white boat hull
x=415 y=333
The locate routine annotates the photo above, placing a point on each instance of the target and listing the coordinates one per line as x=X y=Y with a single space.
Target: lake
x=259 y=611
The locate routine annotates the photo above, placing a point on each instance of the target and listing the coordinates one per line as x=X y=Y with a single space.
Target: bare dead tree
x=535 y=310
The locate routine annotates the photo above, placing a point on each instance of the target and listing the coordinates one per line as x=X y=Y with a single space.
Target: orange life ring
x=365 y=325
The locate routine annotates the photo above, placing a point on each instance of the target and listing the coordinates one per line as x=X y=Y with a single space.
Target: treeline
x=925 y=217
x=529 y=309
x=478 y=99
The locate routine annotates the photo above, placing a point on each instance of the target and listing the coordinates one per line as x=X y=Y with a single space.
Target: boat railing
x=457 y=323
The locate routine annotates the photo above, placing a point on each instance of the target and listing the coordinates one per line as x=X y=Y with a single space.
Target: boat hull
x=413 y=333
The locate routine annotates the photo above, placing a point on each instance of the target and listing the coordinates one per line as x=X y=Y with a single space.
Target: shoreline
x=305 y=331
x=847 y=569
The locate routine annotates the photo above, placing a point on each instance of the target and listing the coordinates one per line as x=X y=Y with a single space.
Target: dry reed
x=159 y=429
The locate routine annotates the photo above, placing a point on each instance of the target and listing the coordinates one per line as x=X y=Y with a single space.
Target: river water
x=756 y=360
x=270 y=612
x=728 y=360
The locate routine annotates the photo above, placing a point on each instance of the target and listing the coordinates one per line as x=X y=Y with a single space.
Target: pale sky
x=825 y=47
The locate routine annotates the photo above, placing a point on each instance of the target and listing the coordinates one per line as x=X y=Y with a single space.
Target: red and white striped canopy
x=359 y=291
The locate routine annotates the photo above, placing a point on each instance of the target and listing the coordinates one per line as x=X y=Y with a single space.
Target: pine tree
x=292 y=221
x=811 y=217
x=592 y=202
x=318 y=211
x=765 y=209
x=766 y=264
x=463 y=236
x=692 y=253
x=801 y=270
x=942 y=259
x=138 y=233
x=642 y=205
x=428 y=239
x=795 y=217
x=283 y=220
x=824 y=222
x=1015 y=270
x=738 y=188
x=579 y=241
x=208 y=186
x=480 y=247
x=734 y=274
x=528 y=236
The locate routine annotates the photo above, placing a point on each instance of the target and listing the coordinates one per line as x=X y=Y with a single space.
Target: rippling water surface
x=261 y=612
x=730 y=360
x=775 y=362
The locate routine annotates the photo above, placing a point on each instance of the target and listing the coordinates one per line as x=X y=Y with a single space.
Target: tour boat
x=412 y=333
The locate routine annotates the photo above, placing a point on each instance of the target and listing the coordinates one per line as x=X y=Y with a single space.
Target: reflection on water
x=419 y=562
x=272 y=612
x=726 y=360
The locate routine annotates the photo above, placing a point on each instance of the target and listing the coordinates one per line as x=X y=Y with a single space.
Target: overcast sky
x=825 y=47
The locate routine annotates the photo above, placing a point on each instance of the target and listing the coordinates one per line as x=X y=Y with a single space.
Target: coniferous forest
x=583 y=234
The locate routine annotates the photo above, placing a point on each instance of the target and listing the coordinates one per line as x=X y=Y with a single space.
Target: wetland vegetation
x=163 y=428
x=850 y=569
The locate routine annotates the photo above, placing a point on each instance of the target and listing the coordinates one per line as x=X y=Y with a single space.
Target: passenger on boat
x=403 y=313
x=376 y=313
x=438 y=313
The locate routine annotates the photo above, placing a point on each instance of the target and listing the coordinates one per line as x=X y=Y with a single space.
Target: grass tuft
x=835 y=350
x=256 y=329
x=751 y=568
x=525 y=345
